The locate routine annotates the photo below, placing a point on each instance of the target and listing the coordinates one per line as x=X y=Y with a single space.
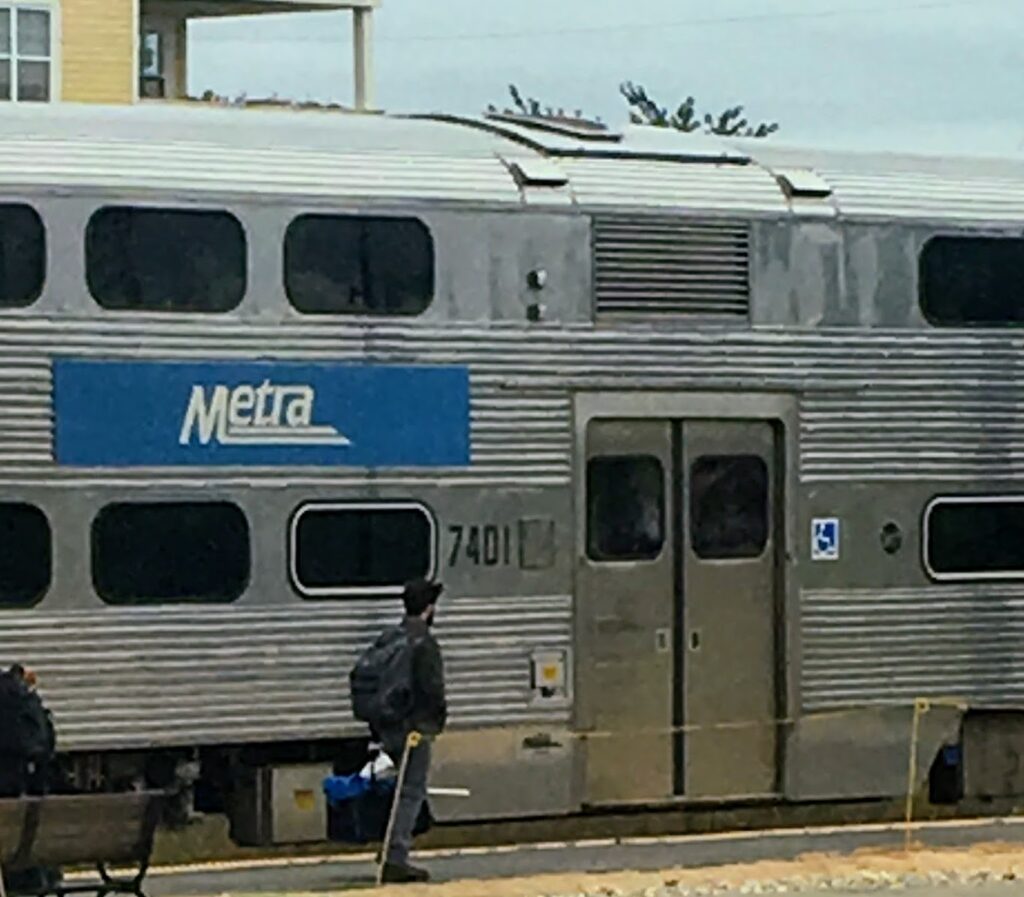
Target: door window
x=728 y=506
x=625 y=508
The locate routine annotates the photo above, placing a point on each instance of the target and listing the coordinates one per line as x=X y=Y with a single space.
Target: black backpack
x=381 y=682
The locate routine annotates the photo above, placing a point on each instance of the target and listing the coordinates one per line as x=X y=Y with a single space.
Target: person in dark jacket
x=428 y=717
x=27 y=743
x=27 y=740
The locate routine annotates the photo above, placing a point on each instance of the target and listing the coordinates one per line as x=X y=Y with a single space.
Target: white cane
x=411 y=742
x=3 y=886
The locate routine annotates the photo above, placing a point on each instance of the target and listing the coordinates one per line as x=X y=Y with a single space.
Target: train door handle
x=663 y=641
x=695 y=640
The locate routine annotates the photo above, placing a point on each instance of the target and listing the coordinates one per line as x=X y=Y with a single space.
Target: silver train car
x=716 y=446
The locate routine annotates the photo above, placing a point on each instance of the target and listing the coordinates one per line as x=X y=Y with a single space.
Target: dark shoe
x=401 y=875
x=31 y=881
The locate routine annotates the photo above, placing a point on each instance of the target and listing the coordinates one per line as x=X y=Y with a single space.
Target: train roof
x=491 y=159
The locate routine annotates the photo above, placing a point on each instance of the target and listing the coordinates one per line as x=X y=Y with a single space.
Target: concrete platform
x=341 y=873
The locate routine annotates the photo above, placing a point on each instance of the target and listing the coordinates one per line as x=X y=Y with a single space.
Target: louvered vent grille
x=671 y=266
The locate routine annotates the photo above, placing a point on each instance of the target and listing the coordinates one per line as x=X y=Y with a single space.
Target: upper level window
x=174 y=260
x=360 y=549
x=26 y=54
x=978 y=537
x=162 y=552
x=22 y=255
x=351 y=264
x=973 y=280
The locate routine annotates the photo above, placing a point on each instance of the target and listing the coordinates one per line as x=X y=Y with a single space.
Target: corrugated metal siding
x=412 y=174
x=646 y=265
x=516 y=430
x=962 y=196
x=899 y=185
x=927 y=406
x=26 y=415
x=214 y=126
x=321 y=154
x=132 y=678
x=941 y=431
x=875 y=404
x=894 y=645
x=630 y=183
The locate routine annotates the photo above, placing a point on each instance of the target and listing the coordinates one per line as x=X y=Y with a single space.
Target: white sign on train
x=825 y=539
x=267 y=414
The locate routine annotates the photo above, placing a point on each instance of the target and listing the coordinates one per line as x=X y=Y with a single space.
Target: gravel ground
x=982 y=870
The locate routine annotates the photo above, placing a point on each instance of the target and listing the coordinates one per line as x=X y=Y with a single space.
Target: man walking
x=401 y=678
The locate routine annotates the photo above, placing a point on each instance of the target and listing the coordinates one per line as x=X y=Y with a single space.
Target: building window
x=26 y=559
x=165 y=260
x=26 y=54
x=22 y=255
x=152 y=84
x=349 y=264
x=980 y=537
x=972 y=281
x=361 y=549
x=170 y=552
x=625 y=508
x=728 y=507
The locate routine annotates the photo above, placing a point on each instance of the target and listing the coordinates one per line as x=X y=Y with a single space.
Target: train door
x=729 y=601
x=626 y=586
x=677 y=606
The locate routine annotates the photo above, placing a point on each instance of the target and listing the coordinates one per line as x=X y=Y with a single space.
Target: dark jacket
x=27 y=739
x=430 y=706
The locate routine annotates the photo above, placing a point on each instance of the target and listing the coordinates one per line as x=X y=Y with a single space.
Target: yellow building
x=118 y=51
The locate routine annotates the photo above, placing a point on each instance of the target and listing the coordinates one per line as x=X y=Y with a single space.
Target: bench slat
x=78 y=829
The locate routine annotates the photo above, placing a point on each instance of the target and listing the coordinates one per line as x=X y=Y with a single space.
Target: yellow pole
x=411 y=742
x=920 y=708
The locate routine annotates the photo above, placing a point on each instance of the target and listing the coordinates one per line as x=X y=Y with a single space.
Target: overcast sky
x=928 y=74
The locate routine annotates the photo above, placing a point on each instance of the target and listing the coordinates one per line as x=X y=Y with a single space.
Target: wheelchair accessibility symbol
x=825 y=539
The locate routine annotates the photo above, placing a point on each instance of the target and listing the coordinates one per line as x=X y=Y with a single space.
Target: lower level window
x=348 y=549
x=170 y=552
x=26 y=53
x=979 y=537
x=26 y=559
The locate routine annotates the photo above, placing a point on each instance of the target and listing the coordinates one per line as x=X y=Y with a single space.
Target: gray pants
x=414 y=793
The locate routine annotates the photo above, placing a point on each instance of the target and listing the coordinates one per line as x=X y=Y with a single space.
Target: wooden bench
x=78 y=830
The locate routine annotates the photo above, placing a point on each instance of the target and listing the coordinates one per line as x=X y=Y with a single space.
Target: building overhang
x=200 y=9
x=181 y=11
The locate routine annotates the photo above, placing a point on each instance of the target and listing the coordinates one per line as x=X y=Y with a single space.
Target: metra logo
x=267 y=414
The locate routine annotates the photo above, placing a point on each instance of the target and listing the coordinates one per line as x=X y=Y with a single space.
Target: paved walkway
x=354 y=872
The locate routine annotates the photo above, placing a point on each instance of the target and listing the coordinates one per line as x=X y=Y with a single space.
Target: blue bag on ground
x=358 y=809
